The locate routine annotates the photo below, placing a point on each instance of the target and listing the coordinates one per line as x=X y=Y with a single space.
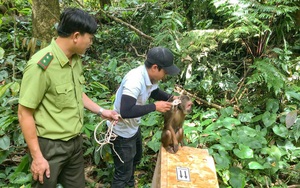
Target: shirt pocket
x=81 y=80
x=65 y=95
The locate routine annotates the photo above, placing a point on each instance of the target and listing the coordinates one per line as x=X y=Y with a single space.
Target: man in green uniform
x=52 y=103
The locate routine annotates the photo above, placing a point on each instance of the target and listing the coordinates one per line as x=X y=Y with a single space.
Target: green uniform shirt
x=54 y=90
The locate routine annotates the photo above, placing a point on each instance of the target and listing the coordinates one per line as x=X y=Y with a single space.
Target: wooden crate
x=188 y=168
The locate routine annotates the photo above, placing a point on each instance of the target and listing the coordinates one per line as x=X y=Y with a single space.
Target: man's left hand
x=111 y=115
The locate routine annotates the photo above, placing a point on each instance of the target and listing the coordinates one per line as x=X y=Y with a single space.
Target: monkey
x=172 y=133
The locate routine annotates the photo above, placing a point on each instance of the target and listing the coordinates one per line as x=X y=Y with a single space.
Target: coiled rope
x=108 y=137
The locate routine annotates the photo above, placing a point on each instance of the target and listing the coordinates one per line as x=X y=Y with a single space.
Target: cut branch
x=140 y=33
x=180 y=90
x=294 y=186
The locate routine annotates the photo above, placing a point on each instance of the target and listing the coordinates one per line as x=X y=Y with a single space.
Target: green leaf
x=1 y=52
x=18 y=175
x=257 y=118
x=21 y=178
x=4 y=142
x=6 y=121
x=244 y=152
x=222 y=159
x=112 y=65
x=268 y=118
x=237 y=178
x=3 y=155
x=228 y=122
x=24 y=164
x=98 y=86
x=154 y=145
x=297 y=166
x=191 y=133
x=178 y=22
x=87 y=133
x=227 y=142
x=272 y=105
x=97 y=156
x=255 y=165
x=218 y=147
x=249 y=131
x=275 y=152
x=91 y=127
x=296 y=131
x=227 y=111
x=151 y=120
x=292 y=94
x=245 y=117
x=3 y=88
x=211 y=128
x=88 y=151
x=15 y=88
x=281 y=131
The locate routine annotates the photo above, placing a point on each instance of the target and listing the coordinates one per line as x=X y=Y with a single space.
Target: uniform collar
x=61 y=56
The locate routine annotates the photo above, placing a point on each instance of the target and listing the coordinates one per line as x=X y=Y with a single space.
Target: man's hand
x=39 y=167
x=111 y=115
x=163 y=106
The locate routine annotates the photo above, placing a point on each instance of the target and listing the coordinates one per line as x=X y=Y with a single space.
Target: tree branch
x=180 y=90
x=294 y=186
x=140 y=33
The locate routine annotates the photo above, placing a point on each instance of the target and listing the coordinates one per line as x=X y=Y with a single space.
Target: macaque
x=172 y=133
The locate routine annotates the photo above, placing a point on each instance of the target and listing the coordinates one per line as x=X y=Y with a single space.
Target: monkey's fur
x=172 y=133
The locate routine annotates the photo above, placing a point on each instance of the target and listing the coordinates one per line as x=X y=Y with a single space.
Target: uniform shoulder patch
x=45 y=61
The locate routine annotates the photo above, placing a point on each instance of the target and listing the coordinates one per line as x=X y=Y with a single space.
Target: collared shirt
x=136 y=84
x=54 y=93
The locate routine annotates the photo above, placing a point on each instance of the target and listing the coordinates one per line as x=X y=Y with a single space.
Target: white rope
x=176 y=102
x=109 y=136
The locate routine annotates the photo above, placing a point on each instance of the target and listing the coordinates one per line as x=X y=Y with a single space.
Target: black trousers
x=130 y=151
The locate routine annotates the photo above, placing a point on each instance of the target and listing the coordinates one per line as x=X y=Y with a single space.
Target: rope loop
x=107 y=138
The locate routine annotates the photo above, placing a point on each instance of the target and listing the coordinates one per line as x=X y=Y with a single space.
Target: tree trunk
x=45 y=13
x=187 y=6
x=297 y=15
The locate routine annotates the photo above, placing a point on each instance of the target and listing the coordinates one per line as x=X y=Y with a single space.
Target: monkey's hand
x=176 y=147
x=170 y=149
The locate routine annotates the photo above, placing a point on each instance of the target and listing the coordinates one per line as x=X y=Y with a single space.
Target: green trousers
x=66 y=163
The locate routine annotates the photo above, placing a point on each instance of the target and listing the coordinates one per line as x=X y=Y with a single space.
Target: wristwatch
x=100 y=111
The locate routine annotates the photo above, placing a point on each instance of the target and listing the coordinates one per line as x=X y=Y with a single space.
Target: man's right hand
x=39 y=167
x=163 y=106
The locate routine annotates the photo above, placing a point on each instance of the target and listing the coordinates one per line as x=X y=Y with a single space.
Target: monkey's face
x=186 y=104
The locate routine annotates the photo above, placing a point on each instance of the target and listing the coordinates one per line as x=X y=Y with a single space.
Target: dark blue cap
x=163 y=57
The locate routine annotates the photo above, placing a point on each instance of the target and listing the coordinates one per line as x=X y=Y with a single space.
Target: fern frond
x=266 y=73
